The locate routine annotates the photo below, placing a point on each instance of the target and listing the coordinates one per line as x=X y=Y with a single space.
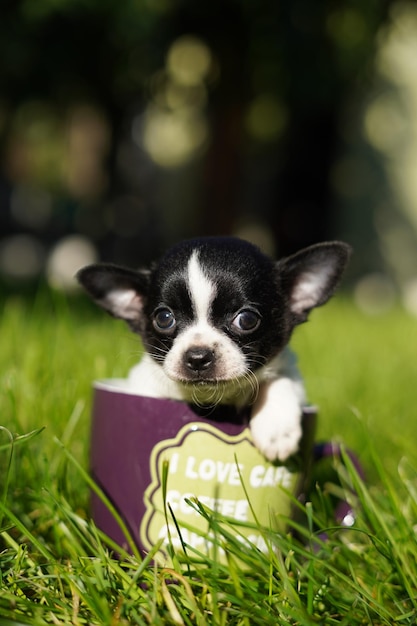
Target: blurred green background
x=125 y=126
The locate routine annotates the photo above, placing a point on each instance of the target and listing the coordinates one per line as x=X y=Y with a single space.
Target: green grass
x=57 y=568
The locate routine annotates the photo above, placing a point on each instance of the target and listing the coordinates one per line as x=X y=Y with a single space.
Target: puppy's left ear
x=309 y=277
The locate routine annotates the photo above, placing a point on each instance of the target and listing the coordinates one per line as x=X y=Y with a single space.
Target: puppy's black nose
x=198 y=359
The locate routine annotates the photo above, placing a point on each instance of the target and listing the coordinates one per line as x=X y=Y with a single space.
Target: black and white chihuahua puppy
x=215 y=317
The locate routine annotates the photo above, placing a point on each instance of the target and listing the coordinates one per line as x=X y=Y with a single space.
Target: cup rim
x=120 y=385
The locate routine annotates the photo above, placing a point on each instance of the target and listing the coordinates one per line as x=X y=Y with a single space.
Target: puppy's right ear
x=120 y=291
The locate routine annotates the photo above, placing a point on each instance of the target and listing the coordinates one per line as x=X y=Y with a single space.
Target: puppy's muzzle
x=199 y=361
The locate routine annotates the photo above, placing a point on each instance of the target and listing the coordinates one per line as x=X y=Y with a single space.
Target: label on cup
x=205 y=467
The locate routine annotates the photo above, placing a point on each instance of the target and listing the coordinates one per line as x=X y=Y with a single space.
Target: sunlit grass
x=57 y=568
x=361 y=371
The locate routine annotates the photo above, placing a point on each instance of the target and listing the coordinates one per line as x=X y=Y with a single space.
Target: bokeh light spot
x=397 y=54
x=66 y=258
x=172 y=138
x=189 y=60
x=385 y=124
x=346 y=27
x=266 y=118
x=410 y=296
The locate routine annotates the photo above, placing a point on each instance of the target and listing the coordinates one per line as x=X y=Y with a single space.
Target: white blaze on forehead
x=202 y=291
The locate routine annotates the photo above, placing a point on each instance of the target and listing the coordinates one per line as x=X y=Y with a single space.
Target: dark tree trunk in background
x=303 y=214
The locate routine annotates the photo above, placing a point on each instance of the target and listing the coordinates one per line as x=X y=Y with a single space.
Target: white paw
x=277 y=437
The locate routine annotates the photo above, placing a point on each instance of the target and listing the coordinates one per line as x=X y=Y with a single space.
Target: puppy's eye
x=164 y=320
x=246 y=321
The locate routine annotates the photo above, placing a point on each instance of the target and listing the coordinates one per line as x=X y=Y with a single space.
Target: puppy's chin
x=238 y=391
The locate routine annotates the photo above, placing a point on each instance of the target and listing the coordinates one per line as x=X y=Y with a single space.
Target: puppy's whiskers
x=250 y=381
x=158 y=353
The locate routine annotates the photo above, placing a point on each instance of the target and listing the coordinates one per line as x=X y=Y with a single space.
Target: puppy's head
x=216 y=309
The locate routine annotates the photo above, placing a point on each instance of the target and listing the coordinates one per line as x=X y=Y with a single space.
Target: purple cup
x=206 y=456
